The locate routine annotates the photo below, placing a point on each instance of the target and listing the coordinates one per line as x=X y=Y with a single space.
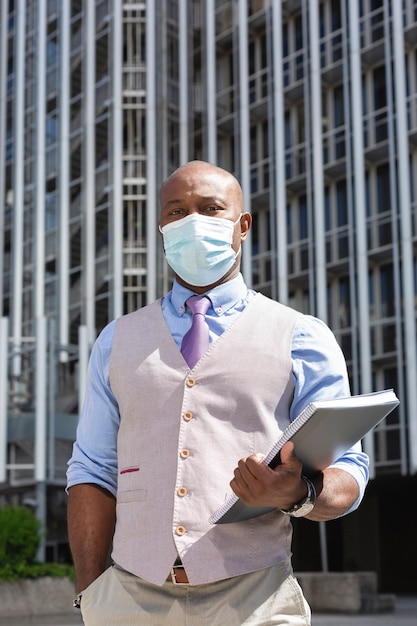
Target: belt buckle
x=174 y=575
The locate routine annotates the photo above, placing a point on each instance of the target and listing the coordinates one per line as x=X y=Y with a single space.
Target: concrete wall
x=42 y=596
x=349 y=593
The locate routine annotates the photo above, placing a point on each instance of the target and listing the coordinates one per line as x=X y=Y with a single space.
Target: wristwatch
x=306 y=505
x=76 y=603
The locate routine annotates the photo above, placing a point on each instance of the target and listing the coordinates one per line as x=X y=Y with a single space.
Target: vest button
x=184 y=454
x=187 y=416
x=182 y=491
x=180 y=530
x=190 y=382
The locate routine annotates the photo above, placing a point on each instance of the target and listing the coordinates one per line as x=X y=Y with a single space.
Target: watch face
x=305 y=506
x=304 y=509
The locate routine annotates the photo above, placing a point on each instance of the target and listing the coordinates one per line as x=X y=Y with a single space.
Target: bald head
x=206 y=174
x=201 y=189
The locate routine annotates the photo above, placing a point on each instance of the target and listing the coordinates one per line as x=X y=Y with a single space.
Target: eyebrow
x=176 y=201
x=203 y=198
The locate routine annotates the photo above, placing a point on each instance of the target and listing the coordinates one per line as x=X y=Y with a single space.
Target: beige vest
x=182 y=433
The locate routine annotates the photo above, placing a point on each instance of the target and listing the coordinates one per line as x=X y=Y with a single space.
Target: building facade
x=313 y=106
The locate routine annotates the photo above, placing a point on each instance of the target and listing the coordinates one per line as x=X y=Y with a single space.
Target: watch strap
x=76 y=603
x=306 y=504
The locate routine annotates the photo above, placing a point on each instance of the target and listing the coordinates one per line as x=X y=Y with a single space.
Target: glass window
x=302 y=215
x=371 y=293
x=253 y=145
x=298 y=33
x=367 y=195
x=51 y=130
x=344 y=303
x=290 y=236
x=380 y=89
x=322 y=20
x=300 y=130
x=265 y=139
x=342 y=210
x=263 y=51
x=327 y=209
x=52 y=52
x=338 y=106
x=383 y=188
x=252 y=61
x=287 y=129
x=336 y=14
x=285 y=43
x=387 y=291
x=50 y=211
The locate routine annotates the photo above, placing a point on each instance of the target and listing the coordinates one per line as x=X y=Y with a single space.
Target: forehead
x=204 y=183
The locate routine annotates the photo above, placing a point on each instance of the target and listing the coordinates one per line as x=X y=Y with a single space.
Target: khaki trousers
x=268 y=597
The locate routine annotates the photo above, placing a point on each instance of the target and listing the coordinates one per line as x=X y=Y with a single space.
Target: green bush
x=20 y=536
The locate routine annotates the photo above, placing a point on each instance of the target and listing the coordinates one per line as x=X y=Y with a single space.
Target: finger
x=255 y=466
x=238 y=485
x=288 y=456
x=241 y=476
x=244 y=477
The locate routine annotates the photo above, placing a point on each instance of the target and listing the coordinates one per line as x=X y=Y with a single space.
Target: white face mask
x=199 y=248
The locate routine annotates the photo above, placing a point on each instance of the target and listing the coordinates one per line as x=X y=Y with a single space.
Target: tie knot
x=198 y=304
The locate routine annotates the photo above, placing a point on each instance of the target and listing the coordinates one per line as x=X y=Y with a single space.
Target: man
x=161 y=439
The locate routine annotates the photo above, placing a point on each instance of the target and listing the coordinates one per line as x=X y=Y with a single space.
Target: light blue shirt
x=318 y=366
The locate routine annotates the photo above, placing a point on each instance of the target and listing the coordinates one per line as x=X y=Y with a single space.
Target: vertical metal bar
x=40 y=160
x=41 y=350
x=317 y=152
x=349 y=188
x=323 y=547
x=211 y=81
x=408 y=291
x=18 y=184
x=151 y=181
x=40 y=394
x=64 y=17
x=51 y=390
x=89 y=170
x=318 y=196
x=184 y=79
x=117 y=140
x=41 y=515
x=83 y=356
x=308 y=147
x=4 y=7
x=395 y=236
x=360 y=216
x=4 y=393
x=280 y=196
x=41 y=426
x=244 y=123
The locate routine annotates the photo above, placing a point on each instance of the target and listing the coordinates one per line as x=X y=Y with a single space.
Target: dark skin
x=206 y=190
x=91 y=515
x=202 y=188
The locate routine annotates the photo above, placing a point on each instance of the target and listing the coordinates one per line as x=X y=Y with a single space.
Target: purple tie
x=196 y=341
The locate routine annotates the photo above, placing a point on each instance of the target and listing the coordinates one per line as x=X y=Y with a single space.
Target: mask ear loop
x=234 y=223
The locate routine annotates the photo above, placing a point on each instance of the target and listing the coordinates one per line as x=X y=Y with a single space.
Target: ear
x=245 y=224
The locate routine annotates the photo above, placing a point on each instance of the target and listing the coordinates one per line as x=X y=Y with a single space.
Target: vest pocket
x=134 y=495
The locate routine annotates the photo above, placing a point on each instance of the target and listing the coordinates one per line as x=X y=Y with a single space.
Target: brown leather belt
x=178 y=575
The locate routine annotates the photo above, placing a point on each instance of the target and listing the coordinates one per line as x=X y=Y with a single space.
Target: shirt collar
x=223 y=297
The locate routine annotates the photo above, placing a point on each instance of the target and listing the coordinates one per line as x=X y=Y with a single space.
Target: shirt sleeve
x=94 y=455
x=320 y=373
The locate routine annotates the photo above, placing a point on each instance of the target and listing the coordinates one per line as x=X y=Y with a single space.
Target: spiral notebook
x=321 y=434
